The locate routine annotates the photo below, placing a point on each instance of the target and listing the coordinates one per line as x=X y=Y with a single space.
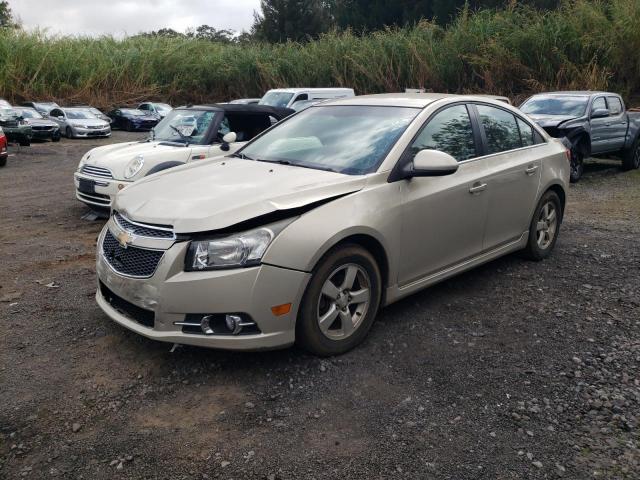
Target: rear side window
x=526 y=133
x=449 y=131
x=500 y=128
x=615 y=105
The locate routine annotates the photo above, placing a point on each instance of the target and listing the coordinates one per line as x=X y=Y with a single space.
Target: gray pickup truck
x=595 y=123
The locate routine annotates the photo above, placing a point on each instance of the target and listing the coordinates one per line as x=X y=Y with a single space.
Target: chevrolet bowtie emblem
x=124 y=239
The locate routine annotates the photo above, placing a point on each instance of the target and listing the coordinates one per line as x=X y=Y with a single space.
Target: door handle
x=531 y=170
x=478 y=187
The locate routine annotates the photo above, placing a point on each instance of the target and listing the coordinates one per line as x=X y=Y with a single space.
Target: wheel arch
x=559 y=190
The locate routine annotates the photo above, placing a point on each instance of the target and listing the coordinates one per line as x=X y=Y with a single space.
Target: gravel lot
x=514 y=370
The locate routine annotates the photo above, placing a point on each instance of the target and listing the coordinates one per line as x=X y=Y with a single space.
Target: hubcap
x=344 y=301
x=547 y=225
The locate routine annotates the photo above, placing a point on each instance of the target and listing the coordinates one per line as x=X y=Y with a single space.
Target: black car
x=132 y=119
x=43 y=108
x=42 y=128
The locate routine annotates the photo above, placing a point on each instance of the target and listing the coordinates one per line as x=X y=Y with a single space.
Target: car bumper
x=90 y=132
x=40 y=134
x=171 y=294
x=103 y=193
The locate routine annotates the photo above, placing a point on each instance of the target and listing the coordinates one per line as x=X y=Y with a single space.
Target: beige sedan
x=345 y=207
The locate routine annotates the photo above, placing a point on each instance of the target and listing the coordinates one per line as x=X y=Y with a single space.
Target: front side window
x=449 y=131
x=615 y=105
x=599 y=104
x=353 y=140
x=500 y=129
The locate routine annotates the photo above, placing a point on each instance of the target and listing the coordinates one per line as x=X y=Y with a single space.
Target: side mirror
x=226 y=140
x=600 y=113
x=60 y=117
x=432 y=163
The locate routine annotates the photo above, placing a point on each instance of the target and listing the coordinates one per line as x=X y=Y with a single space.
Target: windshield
x=347 y=139
x=162 y=107
x=79 y=114
x=574 y=106
x=8 y=112
x=184 y=126
x=276 y=99
x=133 y=111
x=30 y=113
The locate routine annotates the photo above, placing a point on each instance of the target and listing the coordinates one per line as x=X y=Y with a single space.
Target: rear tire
x=631 y=158
x=545 y=227
x=3 y=161
x=345 y=286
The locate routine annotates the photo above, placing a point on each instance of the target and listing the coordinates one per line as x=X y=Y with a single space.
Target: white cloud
x=128 y=17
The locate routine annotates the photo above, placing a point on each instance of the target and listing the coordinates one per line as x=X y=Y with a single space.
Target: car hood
x=550 y=120
x=117 y=156
x=41 y=122
x=211 y=194
x=144 y=118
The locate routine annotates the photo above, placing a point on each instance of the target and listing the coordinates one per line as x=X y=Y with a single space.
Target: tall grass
x=585 y=44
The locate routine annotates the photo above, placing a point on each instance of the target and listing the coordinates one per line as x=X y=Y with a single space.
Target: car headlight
x=134 y=167
x=233 y=251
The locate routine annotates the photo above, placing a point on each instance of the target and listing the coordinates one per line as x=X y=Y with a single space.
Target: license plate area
x=86 y=186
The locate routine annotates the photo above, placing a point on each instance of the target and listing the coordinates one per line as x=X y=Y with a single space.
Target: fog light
x=234 y=323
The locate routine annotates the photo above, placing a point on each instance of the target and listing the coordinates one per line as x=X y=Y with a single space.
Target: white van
x=286 y=97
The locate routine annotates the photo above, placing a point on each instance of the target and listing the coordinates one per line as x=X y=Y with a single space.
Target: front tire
x=631 y=158
x=69 y=132
x=55 y=137
x=577 y=165
x=340 y=303
x=545 y=227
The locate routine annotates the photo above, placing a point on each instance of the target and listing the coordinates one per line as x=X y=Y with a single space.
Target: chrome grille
x=143 y=230
x=130 y=261
x=96 y=171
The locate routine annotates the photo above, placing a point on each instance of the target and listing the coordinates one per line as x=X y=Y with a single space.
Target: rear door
x=443 y=217
x=618 y=123
x=513 y=174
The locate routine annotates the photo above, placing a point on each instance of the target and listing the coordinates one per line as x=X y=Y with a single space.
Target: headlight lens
x=238 y=250
x=134 y=167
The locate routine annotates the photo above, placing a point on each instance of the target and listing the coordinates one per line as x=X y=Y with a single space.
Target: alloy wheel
x=547 y=225
x=344 y=301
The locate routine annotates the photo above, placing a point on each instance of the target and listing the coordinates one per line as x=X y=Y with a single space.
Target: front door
x=443 y=218
x=599 y=127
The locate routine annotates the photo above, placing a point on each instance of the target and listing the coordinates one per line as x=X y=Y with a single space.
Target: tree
x=6 y=16
x=282 y=20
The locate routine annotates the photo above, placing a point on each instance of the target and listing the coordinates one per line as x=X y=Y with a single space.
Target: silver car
x=307 y=231
x=160 y=109
x=78 y=122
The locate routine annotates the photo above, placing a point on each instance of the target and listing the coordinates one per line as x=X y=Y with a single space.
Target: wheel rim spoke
x=360 y=296
x=330 y=290
x=540 y=226
x=328 y=318
x=552 y=216
x=349 y=277
x=347 y=322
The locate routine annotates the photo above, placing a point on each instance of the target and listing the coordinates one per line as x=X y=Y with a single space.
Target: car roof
x=580 y=93
x=415 y=100
x=311 y=89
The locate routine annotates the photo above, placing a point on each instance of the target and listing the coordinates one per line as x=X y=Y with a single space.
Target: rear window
x=615 y=105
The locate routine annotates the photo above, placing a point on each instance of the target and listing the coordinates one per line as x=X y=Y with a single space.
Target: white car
x=161 y=109
x=287 y=97
x=185 y=134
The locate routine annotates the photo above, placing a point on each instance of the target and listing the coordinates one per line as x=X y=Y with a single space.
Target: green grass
x=585 y=44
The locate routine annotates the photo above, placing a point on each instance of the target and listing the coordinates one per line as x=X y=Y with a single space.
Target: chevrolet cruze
x=307 y=231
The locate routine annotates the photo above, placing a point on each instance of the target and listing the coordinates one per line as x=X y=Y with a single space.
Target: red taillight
x=567 y=152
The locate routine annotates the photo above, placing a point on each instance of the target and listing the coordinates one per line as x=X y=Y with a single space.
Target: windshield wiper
x=287 y=162
x=241 y=155
x=182 y=136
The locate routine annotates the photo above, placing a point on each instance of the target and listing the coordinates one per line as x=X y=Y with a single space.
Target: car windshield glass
x=8 y=112
x=30 y=113
x=185 y=126
x=133 y=111
x=276 y=99
x=162 y=107
x=347 y=139
x=574 y=106
x=79 y=114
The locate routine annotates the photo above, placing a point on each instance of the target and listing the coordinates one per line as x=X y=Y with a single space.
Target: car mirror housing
x=228 y=138
x=432 y=163
x=600 y=113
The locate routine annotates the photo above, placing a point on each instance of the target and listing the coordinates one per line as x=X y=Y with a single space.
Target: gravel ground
x=514 y=370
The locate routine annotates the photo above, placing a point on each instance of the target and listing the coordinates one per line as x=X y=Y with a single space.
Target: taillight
x=567 y=152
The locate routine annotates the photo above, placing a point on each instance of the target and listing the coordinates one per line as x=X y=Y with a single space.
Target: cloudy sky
x=120 y=17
